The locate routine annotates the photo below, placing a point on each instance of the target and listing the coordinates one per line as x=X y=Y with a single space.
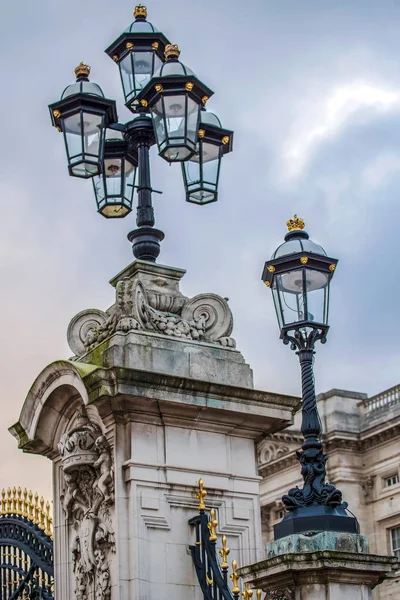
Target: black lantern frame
x=139 y=52
x=114 y=187
x=77 y=117
x=175 y=102
x=201 y=172
x=293 y=279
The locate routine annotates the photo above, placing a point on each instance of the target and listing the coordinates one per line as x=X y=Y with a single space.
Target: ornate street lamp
x=166 y=99
x=83 y=114
x=299 y=275
x=201 y=172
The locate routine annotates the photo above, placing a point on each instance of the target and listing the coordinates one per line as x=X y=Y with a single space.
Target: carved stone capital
x=155 y=304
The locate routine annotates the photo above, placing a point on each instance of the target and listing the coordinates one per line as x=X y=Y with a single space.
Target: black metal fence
x=26 y=547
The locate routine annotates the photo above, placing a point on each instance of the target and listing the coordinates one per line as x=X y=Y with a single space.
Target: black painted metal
x=26 y=563
x=212 y=579
x=318 y=505
x=146 y=239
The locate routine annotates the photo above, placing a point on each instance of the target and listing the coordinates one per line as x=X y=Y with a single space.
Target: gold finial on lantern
x=140 y=11
x=172 y=51
x=212 y=526
x=295 y=224
x=201 y=494
x=82 y=70
x=259 y=594
x=234 y=577
x=223 y=552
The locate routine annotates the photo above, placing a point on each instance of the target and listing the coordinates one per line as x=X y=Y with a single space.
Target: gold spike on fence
x=29 y=505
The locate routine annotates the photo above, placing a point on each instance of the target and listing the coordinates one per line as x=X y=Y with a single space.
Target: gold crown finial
x=201 y=494
x=82 y=70
x=172 y=51
x=295 y=224
x=140 y=11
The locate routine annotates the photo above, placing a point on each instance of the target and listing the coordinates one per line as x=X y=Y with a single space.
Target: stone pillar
x=319 y=566
x=155 y=397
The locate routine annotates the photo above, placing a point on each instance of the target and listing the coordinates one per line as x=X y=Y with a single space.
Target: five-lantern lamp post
x=168 y=103
x=299 y=274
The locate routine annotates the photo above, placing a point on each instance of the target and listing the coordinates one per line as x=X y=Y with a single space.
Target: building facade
x=362 y=439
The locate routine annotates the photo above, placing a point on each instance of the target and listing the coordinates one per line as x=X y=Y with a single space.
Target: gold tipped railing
x=208 y=537
x=27 y=504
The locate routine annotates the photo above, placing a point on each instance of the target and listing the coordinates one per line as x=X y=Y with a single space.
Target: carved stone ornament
x=269 y=451
x=282 y=594
x=87 y=497
x=154 y=305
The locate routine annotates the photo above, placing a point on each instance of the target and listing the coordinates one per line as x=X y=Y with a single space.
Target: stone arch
x=50 y=406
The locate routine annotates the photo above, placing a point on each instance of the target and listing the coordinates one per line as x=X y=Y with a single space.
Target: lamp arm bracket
x=118 y=127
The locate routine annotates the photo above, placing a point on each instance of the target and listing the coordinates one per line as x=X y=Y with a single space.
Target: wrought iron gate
x=26 y=546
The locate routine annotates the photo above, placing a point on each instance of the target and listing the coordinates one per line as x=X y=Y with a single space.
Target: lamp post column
x=146 y=239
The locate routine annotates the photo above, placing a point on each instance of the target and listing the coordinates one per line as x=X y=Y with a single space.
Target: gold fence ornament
x=234 y=577
x=212 y=526
x=201 y=494
x=248 y=593
x=28 y=505
x=223 y=552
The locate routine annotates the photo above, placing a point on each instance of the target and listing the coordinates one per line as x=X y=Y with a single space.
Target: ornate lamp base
x=316 y=518
x=146 y=243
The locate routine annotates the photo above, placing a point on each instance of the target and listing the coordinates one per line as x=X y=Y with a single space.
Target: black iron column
x=146 y=239
x=318 y=506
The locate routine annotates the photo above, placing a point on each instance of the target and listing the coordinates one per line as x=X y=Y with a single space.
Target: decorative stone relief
x=150 y=305
x=88 y=495
x=282 y=594
x=269 y=451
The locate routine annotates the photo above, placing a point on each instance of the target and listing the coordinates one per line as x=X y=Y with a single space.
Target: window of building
x=392 y=480
x=395 y=538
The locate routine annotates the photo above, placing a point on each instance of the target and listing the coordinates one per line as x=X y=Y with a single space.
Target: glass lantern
x=201 y=171
x=299 y=275
x=82 y=115
x=139 y=53
x=174 y=97
x=115 y=186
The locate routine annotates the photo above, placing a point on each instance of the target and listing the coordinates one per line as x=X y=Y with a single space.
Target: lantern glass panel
x=291 y=299
x=114 y=188
x=83 y=133
x=301 y=295
x=201 y=173
x=193 y=113
x=317 y=286
x=137 y=68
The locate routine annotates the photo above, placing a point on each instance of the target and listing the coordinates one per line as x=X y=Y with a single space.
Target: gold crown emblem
x=140 y=11
x=295 y=224
x=82 y=70
x=172 y=51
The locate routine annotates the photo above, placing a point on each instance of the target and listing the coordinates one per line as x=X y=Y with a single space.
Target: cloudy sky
x=312 y=90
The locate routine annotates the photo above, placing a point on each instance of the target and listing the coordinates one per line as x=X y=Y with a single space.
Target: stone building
x=362 y=438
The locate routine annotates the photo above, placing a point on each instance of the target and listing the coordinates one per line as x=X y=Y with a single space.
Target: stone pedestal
x=319 y=566
x=155 y=397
